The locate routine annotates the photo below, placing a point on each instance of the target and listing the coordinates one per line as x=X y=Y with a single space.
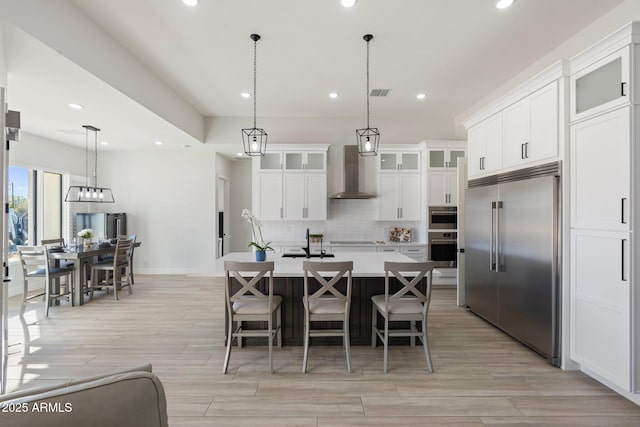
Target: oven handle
x=452 y=213
x=447 y=241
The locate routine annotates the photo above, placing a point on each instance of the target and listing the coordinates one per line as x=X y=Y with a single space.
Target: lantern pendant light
x=88 y=193
x=369 y=138
x=254 y=139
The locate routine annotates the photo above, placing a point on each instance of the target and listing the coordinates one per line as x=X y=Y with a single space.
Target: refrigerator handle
x=624 y=277
x=491 y=241
x=622 y=217
x=497 y=255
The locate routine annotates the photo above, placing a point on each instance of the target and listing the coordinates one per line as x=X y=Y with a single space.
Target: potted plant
x=258 y=241
x=86 y=234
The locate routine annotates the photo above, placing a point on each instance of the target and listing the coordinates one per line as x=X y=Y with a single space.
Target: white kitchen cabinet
x=353 y=248
x=399 y=197
x=444 y=158
x=601 y=86
x=485 y=146
x=531 y=127
x=395 y=161
x=305 y=196
x=271 y=161
x=442 y=188
x=304 y=161
x=269 y=196
x=601 y=171
x=417 y=253
x=600 y=307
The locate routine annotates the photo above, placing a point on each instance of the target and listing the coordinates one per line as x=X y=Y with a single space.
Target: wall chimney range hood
x=351 y=179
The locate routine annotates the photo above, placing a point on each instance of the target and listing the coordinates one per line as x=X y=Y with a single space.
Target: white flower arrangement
x=86 y=233
x=258 y=242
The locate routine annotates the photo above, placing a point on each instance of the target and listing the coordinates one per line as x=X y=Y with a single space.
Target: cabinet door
x=543 y=141
x=271 y=161
x=294 y=196
x=601 y=324
x=476 y=138
x=388 y=162
x=493 y=136
x=315 y=161
x=294 y=161
x=409 y=161
x=516 y=132
x=270 y=196
x=316 y=197
x=601 y=86
x=410 y=197
x=454 y=155
x=600 y=171
x=437 y=159
x=388 y=208
x=437 y=188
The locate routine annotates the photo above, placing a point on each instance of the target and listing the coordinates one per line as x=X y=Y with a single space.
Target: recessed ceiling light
x=245 y=95
x=421 y=95
x=190 y=2
x=333 y=95
x=186 y=146
x=240 y=154
x=158 y=142
x=348 y=3
x=104 y=142
x=503 y=4
x=76 y=106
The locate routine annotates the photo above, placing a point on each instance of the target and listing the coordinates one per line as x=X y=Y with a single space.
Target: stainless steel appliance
x=443 y=248
x=109 y=225
x=443 y=217
x=512 y=255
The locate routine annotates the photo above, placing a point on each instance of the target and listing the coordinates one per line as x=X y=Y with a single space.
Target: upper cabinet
x=531 y=127
x=291 y=184
x=305 y=161
x=399 y=161
x=522 y=128
x=601 y=86
x=444 y=158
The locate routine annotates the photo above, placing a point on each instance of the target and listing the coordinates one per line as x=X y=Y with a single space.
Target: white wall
x=241 y=199
x=169 y=198
x=33 y=151
x=618 y=17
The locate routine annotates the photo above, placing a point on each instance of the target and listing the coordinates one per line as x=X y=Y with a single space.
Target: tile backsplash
x=346 y=220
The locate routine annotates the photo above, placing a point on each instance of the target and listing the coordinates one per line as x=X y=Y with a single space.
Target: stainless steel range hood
x=351 y=179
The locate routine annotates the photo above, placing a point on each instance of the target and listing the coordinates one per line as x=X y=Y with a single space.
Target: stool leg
x=346 y=342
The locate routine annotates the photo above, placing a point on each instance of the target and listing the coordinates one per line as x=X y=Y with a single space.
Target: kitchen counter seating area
x=367 y=280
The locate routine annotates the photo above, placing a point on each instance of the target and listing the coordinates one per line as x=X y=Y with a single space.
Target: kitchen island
x=368 y=280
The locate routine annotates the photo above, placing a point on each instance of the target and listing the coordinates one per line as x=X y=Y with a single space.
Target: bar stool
x=318 y=306
x=402 y=306
x=251 y=304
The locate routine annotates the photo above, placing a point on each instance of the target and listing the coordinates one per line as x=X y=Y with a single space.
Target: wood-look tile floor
x=482 y=377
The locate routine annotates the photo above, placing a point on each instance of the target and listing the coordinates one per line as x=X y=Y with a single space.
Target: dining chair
x=326 y=303
x=251 y=303
x=113 y=277
x=406 y=304
x=35 y=265
x=54 y=244
x=129 y=270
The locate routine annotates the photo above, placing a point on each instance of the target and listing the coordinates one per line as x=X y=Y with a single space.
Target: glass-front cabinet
x=405 y=161
x=444 y=158
x=271 y=161
x=601 y=86
x=299 y=161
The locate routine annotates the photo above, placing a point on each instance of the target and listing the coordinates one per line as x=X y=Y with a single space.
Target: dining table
x=81 y=256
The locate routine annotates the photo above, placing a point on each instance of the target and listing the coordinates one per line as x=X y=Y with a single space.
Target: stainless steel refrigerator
x=512 y=255
x=109 y=225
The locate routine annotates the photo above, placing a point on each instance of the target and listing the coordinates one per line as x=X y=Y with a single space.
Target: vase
x=88 y=244
x=261 y=255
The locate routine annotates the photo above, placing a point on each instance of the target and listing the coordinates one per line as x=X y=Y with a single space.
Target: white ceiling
x=458 y=51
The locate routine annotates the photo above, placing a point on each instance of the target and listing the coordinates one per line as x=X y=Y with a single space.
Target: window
x=20 y=204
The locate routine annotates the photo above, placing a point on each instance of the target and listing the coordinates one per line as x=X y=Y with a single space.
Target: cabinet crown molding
x=556 y=71
x=297 y=147
x=626 y=35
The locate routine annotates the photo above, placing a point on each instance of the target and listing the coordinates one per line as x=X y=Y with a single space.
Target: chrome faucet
x=307 y=249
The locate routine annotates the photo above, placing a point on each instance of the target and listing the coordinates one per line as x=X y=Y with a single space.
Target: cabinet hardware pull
x=480 y=161
x=280 y=212
x=522 y=151
x=526 y=150
x=622 y=93
x=624 y=279
x=622 y=203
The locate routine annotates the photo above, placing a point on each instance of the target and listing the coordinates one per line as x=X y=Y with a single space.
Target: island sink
x=302 y=255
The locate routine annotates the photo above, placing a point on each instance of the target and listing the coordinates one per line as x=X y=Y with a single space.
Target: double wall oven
x=442 y=235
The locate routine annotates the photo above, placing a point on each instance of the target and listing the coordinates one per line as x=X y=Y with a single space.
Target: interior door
x=481 y=282
x=527 y=235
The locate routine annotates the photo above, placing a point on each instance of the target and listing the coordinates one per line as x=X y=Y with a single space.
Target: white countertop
x=328 y=243
x=365 y=264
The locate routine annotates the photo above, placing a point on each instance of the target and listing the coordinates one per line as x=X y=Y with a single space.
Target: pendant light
x=369 y=138
x=254 y=139
x=88 y=193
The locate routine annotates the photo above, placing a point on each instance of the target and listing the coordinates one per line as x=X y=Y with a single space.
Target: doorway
x=223 y=219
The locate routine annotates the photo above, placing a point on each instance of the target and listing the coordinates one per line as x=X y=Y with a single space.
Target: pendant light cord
x=255 y=49
x=86 y=157
x=95 y=165
x=368 y=84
